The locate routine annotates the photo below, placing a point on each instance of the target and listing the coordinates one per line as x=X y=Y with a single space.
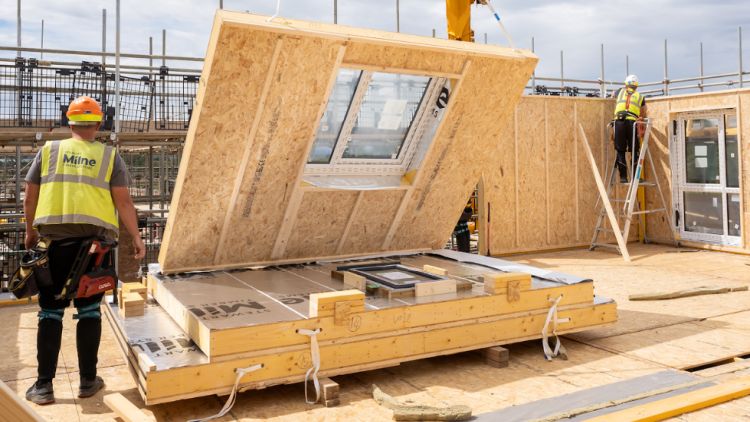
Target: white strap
x=315 y=355
x=552 y=319
x=241 y=372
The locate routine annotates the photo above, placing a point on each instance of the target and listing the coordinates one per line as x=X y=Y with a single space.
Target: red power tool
x=102 y=276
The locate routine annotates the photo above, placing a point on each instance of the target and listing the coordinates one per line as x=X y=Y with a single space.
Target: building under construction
x=298 y=201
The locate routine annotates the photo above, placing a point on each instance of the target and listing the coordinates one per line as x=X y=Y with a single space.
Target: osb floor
x=649 y=337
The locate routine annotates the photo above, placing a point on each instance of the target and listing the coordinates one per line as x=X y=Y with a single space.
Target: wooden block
x=323 y=304
x=500 y=283
x=145 y=362
x=337 y=275
x=434 y=270
x=329 y=389
x=496 y=357
x=332 y=403
x=355 y=281
x=134 y=287
x=126 y=410
x=132 y=304
x=432 y=288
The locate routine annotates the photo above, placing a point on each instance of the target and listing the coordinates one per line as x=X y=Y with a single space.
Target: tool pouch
x=23 y=283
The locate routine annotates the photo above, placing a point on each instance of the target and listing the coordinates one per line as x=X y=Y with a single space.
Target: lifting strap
x=241 y=372
x=315 y=355
x=553 y=320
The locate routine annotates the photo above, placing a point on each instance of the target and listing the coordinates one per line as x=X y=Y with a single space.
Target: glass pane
x=703 y=213
x=733 y=214
x=333 y=118
x=731 y=152
x=702 y=151
x=385 y=116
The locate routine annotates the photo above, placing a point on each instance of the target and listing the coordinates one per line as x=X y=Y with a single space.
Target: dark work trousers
x=624 y=130
x=62 y=253
x=464 y=241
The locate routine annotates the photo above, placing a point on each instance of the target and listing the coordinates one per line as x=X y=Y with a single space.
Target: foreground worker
x=72 y=190
x=630 y=108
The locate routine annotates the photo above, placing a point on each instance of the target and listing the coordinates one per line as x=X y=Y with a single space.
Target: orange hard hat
x=84 y=110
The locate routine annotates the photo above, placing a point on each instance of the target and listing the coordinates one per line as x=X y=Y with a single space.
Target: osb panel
x=561 y=165
x=532 y=174
x=321 y=223
x=453 y=167
x=500 y=188
x=405 y=58
x=225 y=193
x=592 y=115
x=289 y=116
x=657 y=225
x=699 y=102
x=227 y=103
x=373 y=219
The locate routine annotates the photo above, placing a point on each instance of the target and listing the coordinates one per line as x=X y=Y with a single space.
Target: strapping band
x=553 y=320
x=241 y=372
x=315 y=355
x=56 y=314
x=89 y=311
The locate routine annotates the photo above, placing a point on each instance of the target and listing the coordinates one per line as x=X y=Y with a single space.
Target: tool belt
x=33 y=271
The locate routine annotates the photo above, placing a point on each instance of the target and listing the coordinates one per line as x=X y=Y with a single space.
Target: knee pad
x=56 y=314
x=88 y=311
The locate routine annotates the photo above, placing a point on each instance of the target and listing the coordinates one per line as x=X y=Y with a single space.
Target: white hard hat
x=631 y=80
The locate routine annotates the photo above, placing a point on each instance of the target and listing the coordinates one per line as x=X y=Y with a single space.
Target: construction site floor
x=707 y=335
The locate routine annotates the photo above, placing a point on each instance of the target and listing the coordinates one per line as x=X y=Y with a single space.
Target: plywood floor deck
x=649 y=337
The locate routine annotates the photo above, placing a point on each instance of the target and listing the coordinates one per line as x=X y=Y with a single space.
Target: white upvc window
x=374 y=123
x=706 y=176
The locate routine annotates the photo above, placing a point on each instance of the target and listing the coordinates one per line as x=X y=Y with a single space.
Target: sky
x=636 y=28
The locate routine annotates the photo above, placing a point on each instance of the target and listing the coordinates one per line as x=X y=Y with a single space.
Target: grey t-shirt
x=119 y=178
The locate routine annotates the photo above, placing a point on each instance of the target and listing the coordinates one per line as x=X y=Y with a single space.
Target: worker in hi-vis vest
x=75 y=189
x=629 y=109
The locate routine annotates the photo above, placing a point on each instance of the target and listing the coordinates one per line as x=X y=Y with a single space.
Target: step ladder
x=630 y=206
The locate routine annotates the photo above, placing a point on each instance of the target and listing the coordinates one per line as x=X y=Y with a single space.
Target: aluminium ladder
x=630 y=202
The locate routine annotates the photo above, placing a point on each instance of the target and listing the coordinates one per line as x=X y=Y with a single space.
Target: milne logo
x=78 y=160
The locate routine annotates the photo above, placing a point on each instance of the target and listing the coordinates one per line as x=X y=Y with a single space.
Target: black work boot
x=89 y=387
x=41 y=393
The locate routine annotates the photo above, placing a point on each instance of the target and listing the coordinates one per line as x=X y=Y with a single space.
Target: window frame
x=338 y=164
x=680 y=176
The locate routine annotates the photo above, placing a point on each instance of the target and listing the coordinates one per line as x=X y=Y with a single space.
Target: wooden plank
x=285 y=366
x=434 y=270
x=126 y=410
x=13 y=408
x=604 y=198
x=355 y=281
x=501 y=283
x=681 y=403
x=323 y=304
x=496 y=357
x=432 y=288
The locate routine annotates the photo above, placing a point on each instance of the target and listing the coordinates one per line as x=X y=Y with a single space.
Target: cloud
x=636 y=28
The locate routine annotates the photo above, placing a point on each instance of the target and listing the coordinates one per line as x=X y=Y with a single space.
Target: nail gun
x=102 y=277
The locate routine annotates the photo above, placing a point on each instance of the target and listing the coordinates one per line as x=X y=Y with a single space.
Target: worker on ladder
x=629 y=110
x=75 y=189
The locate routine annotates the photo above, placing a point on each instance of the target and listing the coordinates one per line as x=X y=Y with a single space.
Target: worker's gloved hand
x=139 y=247
x=32 y=236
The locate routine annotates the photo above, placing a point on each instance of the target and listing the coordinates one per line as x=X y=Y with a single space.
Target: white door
x=705 y=170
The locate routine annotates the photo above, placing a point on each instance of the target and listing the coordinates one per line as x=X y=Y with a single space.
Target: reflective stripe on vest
x=75 y=185
x=628 y=104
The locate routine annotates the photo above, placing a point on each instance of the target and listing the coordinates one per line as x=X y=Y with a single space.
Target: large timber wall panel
x=239 y=198
x=537 y=179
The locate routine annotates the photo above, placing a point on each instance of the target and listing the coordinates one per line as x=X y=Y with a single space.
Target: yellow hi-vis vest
x=629 y=103
x=75 y=185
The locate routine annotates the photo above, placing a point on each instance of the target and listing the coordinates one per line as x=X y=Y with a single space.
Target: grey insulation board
x=509 y=266
x=560 y=405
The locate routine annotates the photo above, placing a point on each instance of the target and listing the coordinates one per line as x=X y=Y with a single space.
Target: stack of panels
x=215 y=322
